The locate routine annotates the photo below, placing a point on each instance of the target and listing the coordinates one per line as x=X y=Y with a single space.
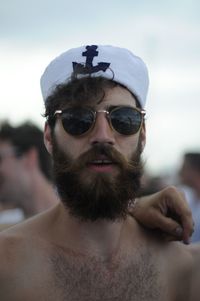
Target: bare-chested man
x=87 y=247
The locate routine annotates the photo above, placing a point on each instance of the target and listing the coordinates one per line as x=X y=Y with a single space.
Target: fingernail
x=186 y=242
x=179 y=231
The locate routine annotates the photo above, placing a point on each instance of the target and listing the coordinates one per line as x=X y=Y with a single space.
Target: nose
x=102 y=132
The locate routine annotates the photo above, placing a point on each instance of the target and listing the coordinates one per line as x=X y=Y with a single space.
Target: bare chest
x=74 y=278
x=119 y=279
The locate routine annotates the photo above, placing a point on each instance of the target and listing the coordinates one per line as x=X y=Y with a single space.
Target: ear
x=143 y=136
x=47 y=137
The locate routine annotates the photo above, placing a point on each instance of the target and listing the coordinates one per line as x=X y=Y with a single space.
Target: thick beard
x=91 y=196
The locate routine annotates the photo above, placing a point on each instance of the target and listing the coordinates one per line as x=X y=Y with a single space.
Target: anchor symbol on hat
x=88 y=68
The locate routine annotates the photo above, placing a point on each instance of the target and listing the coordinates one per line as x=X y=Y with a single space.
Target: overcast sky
x=166 y=34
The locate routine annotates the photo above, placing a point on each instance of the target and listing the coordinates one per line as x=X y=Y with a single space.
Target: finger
x=169 y=238
x=188 y=229
x=169 y=226
x=187 y=221
x=183 y=214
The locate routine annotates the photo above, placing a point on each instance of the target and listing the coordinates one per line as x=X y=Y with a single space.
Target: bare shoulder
x=183 y=264
x=23 y=250
x=11 y=258
x=194 y=251
x=180 y=265
x=12 y=243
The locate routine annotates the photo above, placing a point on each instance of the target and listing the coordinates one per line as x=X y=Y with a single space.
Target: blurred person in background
x=151 y=184
x=25 y=173
x=190 y=183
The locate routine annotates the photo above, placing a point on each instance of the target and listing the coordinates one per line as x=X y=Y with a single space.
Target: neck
x=100 y=238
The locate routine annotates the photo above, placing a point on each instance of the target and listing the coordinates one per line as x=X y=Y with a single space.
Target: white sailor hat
x=115 y=63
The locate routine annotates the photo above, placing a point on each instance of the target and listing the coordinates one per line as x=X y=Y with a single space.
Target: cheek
x=68 y=144
x=127 y=145
x=70 y=147
x=10 y=173
x=7 y=168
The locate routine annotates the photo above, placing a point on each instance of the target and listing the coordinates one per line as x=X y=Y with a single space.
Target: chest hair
x=79 y=278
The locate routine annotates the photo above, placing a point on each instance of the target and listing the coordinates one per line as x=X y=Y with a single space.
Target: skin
x=155 y=208
x=22 y=183
x=11 y=174
x=55 y=256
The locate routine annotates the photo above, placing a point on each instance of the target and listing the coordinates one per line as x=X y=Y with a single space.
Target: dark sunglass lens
x=126 y=121
x=77 y=121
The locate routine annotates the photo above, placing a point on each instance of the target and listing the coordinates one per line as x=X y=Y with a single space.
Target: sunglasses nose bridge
x=106 y=113
x=101 y=131
x=102 y=111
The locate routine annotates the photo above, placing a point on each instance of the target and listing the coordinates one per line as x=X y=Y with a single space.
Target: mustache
x=64 y=164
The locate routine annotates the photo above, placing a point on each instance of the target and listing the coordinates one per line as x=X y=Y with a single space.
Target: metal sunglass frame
x=141 y=111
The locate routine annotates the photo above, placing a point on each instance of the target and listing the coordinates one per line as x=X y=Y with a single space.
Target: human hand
x=166 y=210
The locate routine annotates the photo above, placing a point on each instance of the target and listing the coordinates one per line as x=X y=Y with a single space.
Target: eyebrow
x=111 y=107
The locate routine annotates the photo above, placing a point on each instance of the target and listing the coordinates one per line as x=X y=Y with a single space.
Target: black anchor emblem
x=88 y=68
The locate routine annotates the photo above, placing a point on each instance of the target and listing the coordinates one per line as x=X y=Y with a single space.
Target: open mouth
x=101 y=165
x=101 y=162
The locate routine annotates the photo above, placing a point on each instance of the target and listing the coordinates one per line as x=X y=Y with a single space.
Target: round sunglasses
x=124 y=120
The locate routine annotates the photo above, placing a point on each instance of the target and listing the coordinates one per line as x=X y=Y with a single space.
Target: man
x=88 y=247
x=190 y=179
x=25 y=172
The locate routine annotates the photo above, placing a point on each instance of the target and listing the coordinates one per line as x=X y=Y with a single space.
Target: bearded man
x=88 y=247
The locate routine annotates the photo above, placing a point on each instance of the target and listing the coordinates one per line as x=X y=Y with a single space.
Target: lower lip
x=101 y=168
